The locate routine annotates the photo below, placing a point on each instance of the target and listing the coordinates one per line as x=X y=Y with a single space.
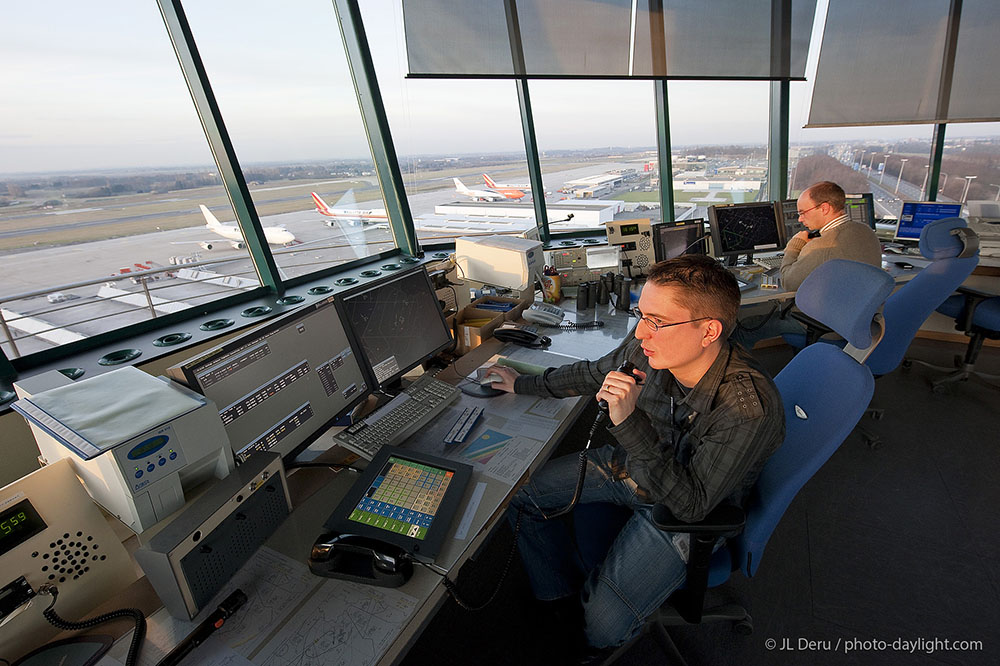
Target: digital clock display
x=18 y=524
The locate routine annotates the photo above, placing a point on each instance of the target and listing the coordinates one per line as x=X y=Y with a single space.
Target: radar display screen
x=744 y=228
x=398 y=323
x=790 y=217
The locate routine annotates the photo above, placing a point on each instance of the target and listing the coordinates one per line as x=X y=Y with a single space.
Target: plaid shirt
x=689 y=452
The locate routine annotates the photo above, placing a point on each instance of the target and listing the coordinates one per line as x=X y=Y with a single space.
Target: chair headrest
x=845 y=295
x=943 y=239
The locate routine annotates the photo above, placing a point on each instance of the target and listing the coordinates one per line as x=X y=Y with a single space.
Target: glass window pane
x=104 y=166
x=445 y=130
x=719 y=136
x=292 y=114
x=971 y=162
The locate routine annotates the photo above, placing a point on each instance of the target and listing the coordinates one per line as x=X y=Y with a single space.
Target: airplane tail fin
x=489 y=181
x=460 y=186
x=210 y=220
x=320 y=204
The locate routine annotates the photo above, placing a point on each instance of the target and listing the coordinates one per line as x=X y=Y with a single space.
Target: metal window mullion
x=663 y=151
x=936 y=156
x=376 y=125
x=534 y=167
x=205 y=103
x=777 y=142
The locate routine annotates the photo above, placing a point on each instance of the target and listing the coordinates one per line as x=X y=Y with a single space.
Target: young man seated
x=692 y=433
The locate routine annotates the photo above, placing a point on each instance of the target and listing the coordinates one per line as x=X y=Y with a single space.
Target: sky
x=96 y=86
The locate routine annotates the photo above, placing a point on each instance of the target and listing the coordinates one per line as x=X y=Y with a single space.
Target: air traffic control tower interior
x=123 y=272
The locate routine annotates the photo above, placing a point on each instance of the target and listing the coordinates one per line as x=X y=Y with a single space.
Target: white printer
x=136 y=441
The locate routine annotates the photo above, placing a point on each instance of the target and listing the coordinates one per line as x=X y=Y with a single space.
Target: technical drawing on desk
x=342 y=624
x=275 y=585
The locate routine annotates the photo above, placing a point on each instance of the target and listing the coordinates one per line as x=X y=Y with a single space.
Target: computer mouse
x=905 y=265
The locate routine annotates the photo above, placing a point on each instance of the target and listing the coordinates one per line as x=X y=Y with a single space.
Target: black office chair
x=825 y=391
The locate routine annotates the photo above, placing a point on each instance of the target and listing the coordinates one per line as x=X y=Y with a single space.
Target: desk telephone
x=544 y=313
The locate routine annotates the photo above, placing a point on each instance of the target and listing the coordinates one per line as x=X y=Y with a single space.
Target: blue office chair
x=953 y=249
x=825 y=391
x=977 y=314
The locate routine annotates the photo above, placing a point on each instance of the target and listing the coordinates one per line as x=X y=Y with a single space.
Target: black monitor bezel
x=869 y=199
x=780 y=214
x=691 y=222
x=713 y=223
x=340 y=523
x=190 y=379
x=354 y=291
x=895 y=232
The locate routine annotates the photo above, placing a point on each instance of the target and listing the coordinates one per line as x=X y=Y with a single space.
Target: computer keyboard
x=768 y=262
x=414 y=407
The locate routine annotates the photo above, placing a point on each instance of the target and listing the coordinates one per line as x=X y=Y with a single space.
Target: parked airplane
x=509 y=191
x=350 y=215
x=274 y=235
x=478 y=195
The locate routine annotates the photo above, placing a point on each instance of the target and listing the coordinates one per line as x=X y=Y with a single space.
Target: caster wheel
x=907 y=364
x=744 y=627
x=937 y=388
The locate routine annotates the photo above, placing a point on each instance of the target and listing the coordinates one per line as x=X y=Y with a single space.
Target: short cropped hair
x=827 y=192
x=707 y=288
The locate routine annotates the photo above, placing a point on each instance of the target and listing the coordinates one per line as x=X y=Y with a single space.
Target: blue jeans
x=638 y=573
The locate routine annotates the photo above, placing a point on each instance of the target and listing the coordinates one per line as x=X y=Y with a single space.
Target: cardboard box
x=511 y=315
x=470 y=336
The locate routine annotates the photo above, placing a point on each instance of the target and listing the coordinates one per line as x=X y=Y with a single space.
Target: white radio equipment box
x=501 y=261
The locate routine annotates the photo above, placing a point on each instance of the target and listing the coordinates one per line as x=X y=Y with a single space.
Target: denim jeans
x=639 y=571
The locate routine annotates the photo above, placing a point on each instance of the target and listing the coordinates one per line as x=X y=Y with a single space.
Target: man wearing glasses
x=693 y=427
x=831 y=235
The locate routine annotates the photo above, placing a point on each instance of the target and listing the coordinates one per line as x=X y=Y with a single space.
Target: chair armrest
x=723 y=519
x=973 y=297
x=814 y=329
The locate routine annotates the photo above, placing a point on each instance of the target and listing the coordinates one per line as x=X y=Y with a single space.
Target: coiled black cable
x=137 y=615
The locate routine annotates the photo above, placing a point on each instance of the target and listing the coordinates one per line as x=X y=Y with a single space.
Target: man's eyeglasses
x=655 y=325
x=803 y=212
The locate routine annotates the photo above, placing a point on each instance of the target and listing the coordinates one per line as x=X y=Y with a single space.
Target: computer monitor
x=916 y=215
x=282 y=384
x=398 y=323
x=788 y=213
x=672 y=239
x=861 y=208
x=744 y=228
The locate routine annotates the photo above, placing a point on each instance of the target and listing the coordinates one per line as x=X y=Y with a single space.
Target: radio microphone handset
x=602 y=412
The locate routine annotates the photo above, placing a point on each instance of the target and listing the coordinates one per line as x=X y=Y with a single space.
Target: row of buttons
x=150 y=467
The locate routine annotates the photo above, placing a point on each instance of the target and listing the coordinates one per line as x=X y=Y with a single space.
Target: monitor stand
x=732 y=261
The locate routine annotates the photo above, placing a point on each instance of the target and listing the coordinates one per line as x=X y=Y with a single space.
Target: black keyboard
x=416 y=406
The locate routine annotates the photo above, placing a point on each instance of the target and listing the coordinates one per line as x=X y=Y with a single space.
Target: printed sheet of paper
x=342 y=624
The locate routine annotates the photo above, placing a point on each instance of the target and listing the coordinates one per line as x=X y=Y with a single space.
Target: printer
x=137 y=442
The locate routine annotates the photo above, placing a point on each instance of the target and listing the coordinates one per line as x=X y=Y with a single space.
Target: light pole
x=943 y=184
x=861 y=162
x=997 y=197
x=870 y=162
x=923 y=188
x=885 y=163
x=899 y=176
x=968 y=181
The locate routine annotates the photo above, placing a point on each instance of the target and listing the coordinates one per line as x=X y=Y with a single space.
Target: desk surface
x=376 y=625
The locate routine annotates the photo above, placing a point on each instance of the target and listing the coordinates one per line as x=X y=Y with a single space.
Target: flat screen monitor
x=788 y=212
x=861 y=208
x=916 y=215
x=282 y=384
x=672 y=239
x=744 y=228
x=398 y=323
x=405 y=498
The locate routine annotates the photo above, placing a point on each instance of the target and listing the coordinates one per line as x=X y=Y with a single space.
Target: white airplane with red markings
x=350 y=215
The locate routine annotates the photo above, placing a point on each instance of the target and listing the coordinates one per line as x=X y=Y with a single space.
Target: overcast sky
x=96 y=85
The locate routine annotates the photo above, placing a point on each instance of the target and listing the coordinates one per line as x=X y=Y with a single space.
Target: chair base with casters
x=977 y=314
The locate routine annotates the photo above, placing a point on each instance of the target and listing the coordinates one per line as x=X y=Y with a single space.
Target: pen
x=214 y=621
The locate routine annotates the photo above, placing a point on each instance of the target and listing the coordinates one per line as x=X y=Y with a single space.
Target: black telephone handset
x=627 y=367
x=360 y=559
x=813 y=233
x=522 y=337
